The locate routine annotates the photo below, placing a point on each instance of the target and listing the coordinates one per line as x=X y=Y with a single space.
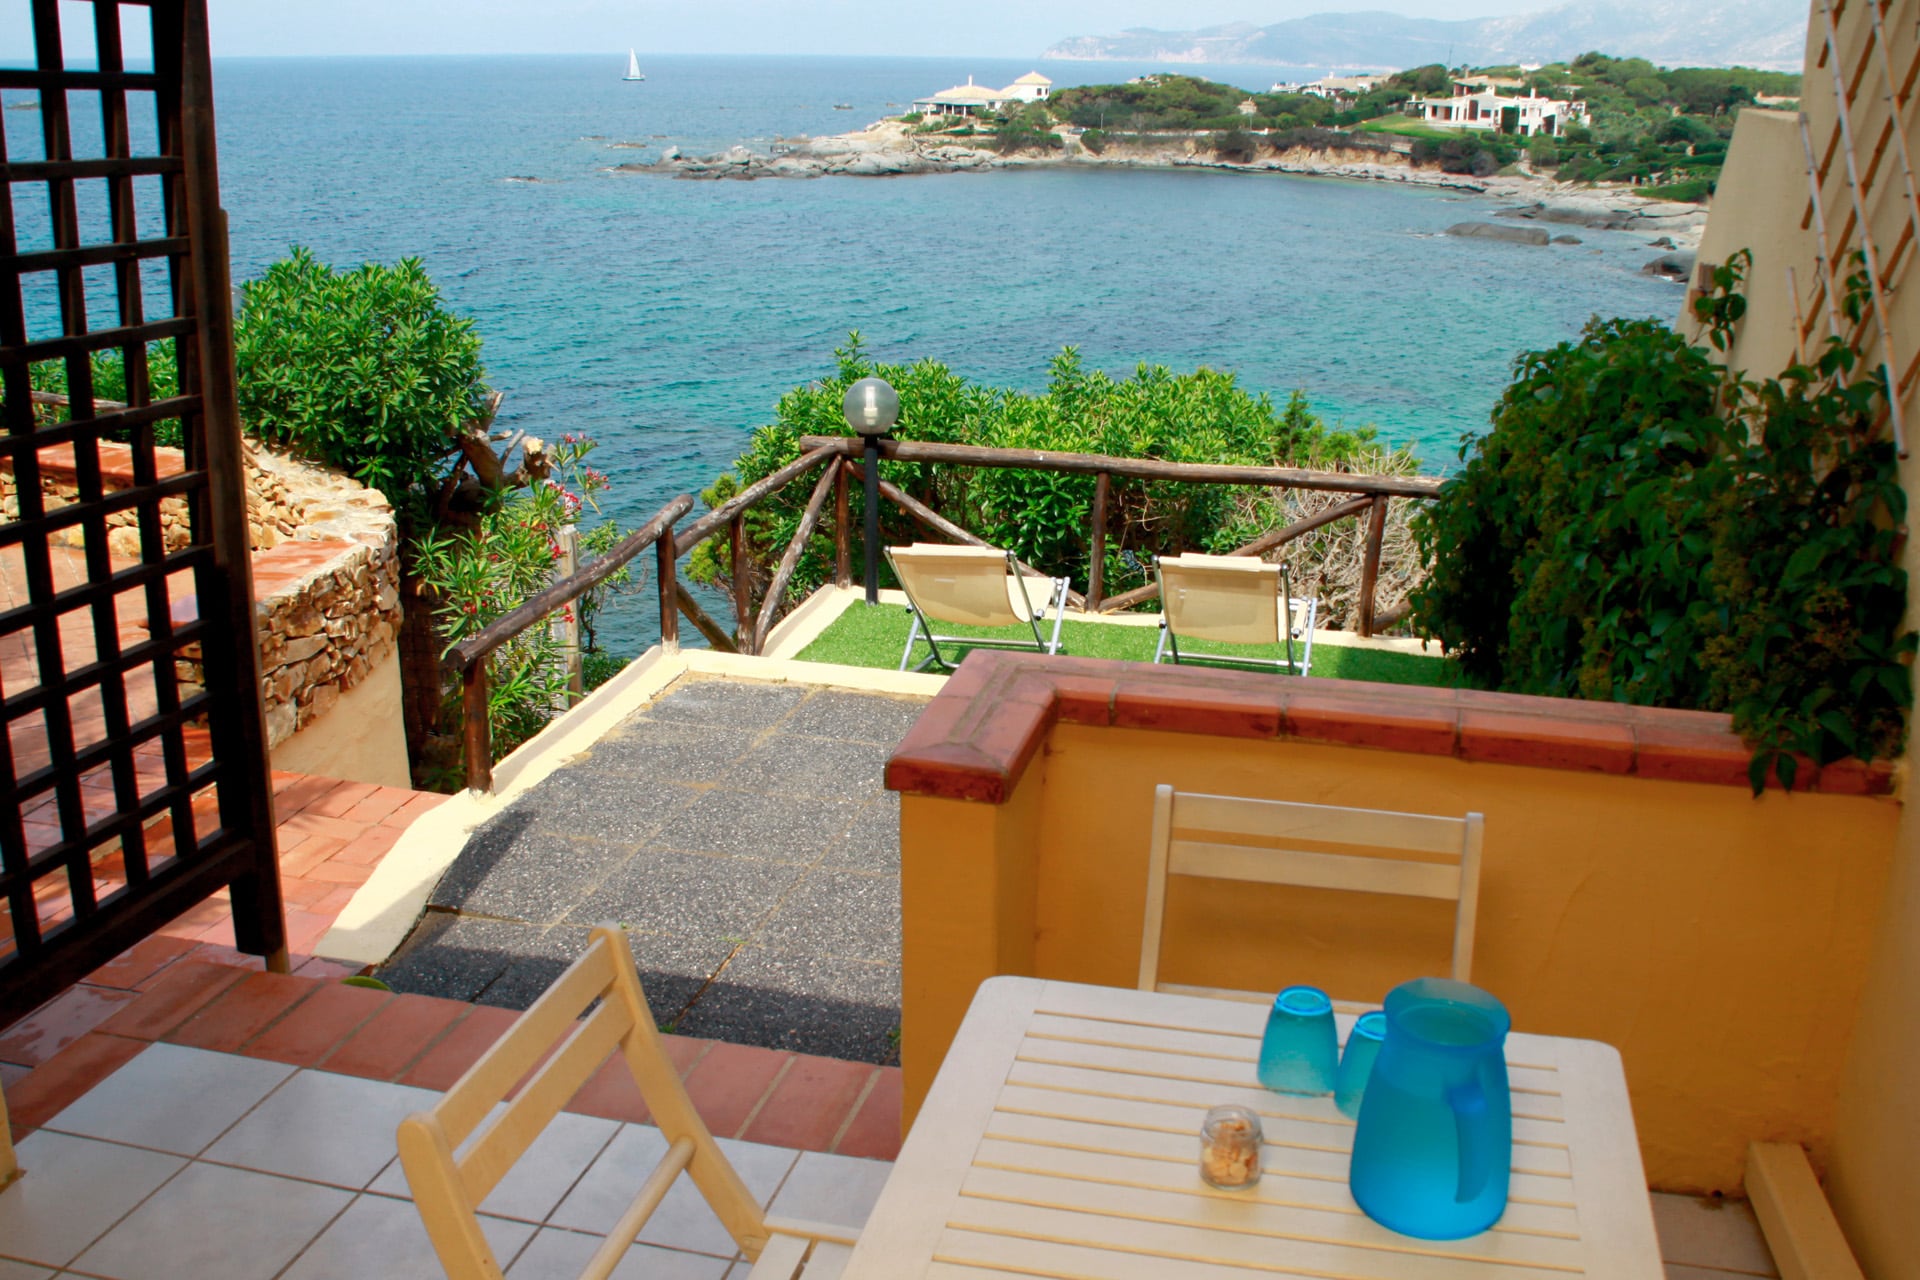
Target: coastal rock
x=1670 y=266
x=1494 y=231
x=1574 y=240
x=1662 y=242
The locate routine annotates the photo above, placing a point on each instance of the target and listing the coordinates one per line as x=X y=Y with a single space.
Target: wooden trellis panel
x=132 y=793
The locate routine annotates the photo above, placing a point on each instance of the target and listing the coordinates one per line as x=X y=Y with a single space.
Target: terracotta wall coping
x=977 y=736
x=116 y=463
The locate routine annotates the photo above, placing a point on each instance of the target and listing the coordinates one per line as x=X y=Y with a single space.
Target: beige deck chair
x=1235 y=600
x=978 y=587
x=449 y=1182
x=1216 y=839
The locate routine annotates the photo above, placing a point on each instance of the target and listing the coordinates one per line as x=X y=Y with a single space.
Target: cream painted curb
x=803 y=626
x=383 y=910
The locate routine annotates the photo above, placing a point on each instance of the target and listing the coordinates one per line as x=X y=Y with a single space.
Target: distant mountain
x=1698 y=33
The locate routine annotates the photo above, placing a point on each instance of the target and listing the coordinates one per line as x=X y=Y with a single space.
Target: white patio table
x=1061 y=1139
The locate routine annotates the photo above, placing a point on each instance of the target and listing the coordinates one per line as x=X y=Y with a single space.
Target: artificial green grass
x=1408 y=127
x=872 y=637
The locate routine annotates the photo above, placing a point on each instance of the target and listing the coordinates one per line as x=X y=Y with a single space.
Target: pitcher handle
x=1474 y=1138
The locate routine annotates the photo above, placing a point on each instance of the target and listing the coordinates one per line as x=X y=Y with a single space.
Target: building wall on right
x=1805 y=205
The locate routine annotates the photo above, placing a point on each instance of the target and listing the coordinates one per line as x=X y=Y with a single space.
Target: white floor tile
x=325 y=1127
x=1703 y=1232
x=172 y=1099
x=384 y=1238
x=559 y=1255
x=21 y=1271
x=215 y=1223
x=72 y=1190
x=540 y=1178
x=683 y=1220
x=829 y=1188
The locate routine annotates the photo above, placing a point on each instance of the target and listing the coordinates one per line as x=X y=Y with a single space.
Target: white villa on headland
x=971 y=99
x=1477 y=104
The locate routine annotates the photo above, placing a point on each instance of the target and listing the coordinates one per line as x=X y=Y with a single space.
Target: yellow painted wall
x=362 y=739
x=1873 y=1163
x=1719 y=941
x=1757 y=207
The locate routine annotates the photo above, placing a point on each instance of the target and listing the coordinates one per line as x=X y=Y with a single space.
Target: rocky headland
x=891 y=148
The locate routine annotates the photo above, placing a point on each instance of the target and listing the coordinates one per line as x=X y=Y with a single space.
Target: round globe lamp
x=872 y=406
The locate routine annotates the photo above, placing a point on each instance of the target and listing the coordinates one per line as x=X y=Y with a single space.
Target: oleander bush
x=1643 y=525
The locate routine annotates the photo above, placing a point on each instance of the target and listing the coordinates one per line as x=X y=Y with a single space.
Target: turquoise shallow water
x=666 y=317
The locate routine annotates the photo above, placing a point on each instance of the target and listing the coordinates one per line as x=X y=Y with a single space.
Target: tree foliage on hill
x=1202 y=416
x=1643 y=526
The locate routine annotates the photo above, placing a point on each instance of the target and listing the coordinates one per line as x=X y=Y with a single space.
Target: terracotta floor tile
x=243 y=1011
x=50 y=1087
x=301 y=854
x=418 y=803
x=729 y=1081
x=611 y=1093
x=335 y=900
x=336 y=871
x=875 y=1131
x=337 y=802
x=369 y=849
x=810 y=1103
x=306 y=791
x=317 y=824
x=321 y=1022
x=388 y=1043
x=139 y=964
x=472 y=1036
x=376 y=807
x=59 y=1022
x=179 y=993
x=329 y=970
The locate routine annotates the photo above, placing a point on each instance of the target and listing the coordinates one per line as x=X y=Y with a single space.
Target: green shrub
x=1203 y=416
x=1641 y=526
x=1094 y=140
x=110 y=383
x=1235 y=145
x=363 y=369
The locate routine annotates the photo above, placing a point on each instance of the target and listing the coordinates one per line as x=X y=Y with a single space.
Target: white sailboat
x=633 y=67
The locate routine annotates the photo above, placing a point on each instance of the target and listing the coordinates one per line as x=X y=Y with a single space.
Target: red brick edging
x=978 y=734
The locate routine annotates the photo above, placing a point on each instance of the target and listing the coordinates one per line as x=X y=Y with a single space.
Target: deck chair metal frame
x=927 y=609
x=457 y=1151
x=1449 y=870
x=1296 y=622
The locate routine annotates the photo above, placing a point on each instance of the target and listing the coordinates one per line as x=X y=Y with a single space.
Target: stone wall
x=326 y=570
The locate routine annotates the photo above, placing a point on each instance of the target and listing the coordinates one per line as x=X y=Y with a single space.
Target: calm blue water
x=666 y=317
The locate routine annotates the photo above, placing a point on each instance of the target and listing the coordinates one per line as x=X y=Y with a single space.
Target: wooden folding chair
x=974 y=586
x=1232 y=600
x=449 y=1182
x=1219 y=842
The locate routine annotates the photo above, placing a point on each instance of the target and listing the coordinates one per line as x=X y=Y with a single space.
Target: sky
x=979 y=28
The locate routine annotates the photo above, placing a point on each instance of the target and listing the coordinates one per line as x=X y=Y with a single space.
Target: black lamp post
x=872 y=407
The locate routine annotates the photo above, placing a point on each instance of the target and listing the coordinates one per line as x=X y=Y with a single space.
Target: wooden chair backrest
x=1235 y=599
x=448 y=1188
x=1210 y=848
x=972 y=586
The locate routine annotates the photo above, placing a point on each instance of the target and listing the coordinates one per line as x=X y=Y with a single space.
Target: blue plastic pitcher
x=1435 y=1135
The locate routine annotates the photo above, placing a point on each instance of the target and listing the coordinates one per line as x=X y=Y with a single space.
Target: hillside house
x=972 y=99
x=1479 y=104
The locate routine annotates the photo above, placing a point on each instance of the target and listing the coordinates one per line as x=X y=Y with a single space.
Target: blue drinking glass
x=1298 y=1052
x=1356 y=1062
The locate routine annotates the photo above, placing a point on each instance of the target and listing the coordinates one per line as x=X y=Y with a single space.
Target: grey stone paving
x=739 y=831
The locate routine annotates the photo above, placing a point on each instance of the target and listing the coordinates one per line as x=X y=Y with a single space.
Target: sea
x=665 y=317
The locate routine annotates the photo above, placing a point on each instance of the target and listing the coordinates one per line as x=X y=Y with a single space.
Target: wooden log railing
x=1371 y=494
x=836 y=459
x=467 y=659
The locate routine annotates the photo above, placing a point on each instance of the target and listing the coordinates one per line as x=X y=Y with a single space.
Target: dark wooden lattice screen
x=133 y=791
